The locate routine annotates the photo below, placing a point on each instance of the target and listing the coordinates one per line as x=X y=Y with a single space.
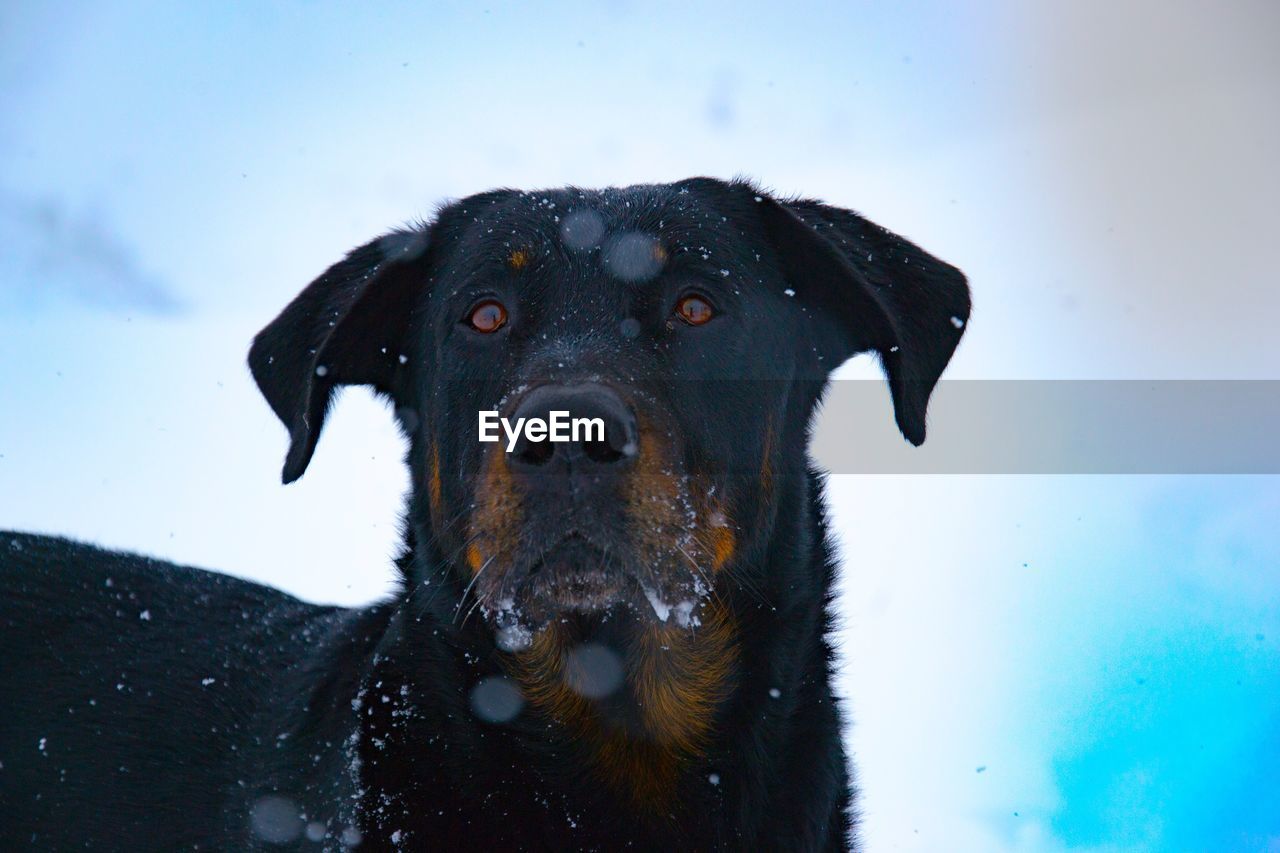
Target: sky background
x=1031 y=663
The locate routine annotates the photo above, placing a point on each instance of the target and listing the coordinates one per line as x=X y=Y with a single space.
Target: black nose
x=600 y=429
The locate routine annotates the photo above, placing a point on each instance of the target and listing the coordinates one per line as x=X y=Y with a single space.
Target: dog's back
x=100 y=649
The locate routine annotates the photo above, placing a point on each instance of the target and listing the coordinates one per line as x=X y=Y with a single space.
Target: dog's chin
x=574 y=578
x=588 y=592
x=575 y=582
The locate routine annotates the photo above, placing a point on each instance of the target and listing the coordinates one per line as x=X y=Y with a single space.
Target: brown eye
x=694 y=310
x=488 y=317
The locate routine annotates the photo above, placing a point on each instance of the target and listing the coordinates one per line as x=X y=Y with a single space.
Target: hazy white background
x=1033 y=663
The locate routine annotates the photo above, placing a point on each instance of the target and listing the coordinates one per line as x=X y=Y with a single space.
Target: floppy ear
x=884 y=293
x=348 y=327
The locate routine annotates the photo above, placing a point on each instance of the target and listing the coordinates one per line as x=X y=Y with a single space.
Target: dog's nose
x=597 y=429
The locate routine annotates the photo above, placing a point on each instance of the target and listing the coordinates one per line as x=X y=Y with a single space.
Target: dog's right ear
x=348 y=327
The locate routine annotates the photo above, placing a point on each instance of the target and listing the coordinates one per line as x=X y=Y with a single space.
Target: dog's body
x=165 y=732
x=649 y=669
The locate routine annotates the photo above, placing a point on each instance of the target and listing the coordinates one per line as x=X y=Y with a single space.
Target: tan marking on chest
x=677 y=679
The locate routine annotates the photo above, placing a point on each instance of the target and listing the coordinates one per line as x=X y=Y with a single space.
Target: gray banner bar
x=1058 y=427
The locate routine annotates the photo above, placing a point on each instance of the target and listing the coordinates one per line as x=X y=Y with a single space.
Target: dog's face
x=696 y=323
x=637 y=307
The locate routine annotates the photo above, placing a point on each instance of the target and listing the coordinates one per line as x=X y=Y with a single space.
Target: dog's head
x=691 y=327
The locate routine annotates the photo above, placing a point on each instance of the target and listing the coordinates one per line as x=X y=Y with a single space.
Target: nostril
x=617 y=443
x=535 y=453
x=601 y=451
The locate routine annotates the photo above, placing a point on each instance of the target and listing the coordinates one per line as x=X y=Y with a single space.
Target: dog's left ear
x=874 y=291
x=348 y=327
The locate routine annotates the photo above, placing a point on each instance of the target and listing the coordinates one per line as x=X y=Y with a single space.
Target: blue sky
x=1106 y=649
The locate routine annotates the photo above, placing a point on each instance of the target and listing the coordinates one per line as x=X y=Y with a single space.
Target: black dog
x=648 y=665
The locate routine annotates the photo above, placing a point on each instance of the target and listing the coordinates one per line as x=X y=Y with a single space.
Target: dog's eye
x=694 y=310
x=487 y=317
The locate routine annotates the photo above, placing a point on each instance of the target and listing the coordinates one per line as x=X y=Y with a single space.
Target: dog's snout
x=595 y=429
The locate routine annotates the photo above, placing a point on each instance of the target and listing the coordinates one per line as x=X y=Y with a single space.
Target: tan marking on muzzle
x=657 y=508
x=722 y=544
x=495 y=523
x=433 y=478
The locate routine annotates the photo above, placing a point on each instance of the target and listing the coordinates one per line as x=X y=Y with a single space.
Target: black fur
x=152 y=706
